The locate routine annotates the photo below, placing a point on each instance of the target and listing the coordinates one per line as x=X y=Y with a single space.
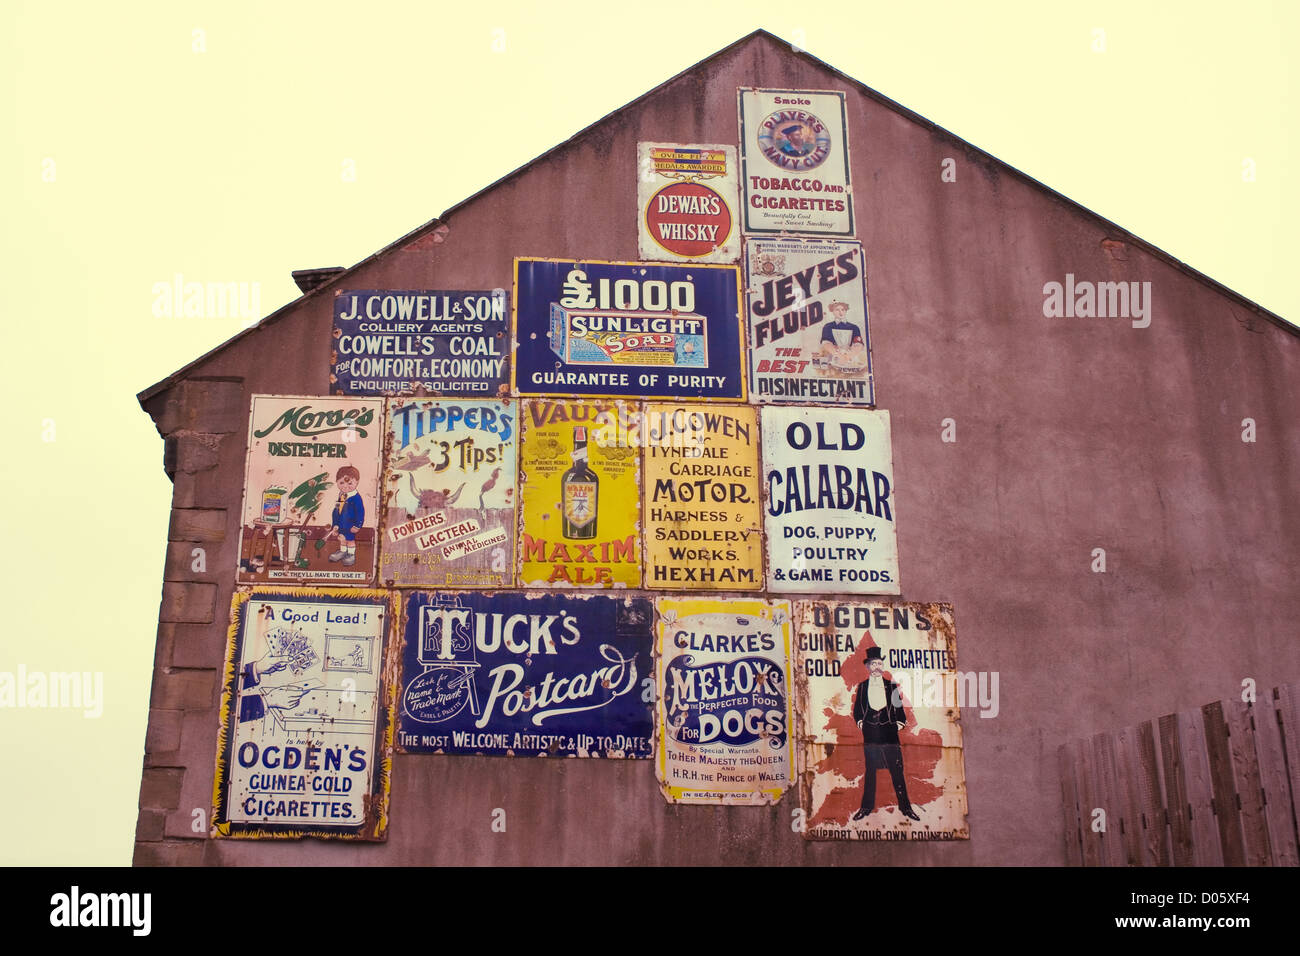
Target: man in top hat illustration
x=878 y=710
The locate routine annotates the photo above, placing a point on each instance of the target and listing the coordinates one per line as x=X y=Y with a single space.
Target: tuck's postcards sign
x=526 y=674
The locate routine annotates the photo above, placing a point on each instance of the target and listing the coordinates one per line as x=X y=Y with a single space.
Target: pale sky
x=236 y=142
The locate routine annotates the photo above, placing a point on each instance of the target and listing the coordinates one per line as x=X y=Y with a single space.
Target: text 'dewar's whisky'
x=578 y=491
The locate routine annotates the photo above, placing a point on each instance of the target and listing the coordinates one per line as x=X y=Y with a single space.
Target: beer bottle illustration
x=578 y=491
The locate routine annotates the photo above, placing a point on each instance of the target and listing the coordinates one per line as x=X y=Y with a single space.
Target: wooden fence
x=1218 y=786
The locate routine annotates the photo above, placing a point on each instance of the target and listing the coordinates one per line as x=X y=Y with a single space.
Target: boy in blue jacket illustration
x=349 y=515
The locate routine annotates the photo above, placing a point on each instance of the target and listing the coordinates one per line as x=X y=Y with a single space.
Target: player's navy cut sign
x=526 y=675
x=627 y=329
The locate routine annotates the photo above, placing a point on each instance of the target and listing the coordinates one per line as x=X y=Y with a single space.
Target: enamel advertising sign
x=310 y=490
x=580 y=491
x=702 y=511
x=723 y=722
x=449 y=494
x=830 y=500
x=628 y=329
x=795 y=162
x=446 y=343
x=526 y=675
x=809 y=337
x=306 y=730
x=687 y=203
x=880 y=699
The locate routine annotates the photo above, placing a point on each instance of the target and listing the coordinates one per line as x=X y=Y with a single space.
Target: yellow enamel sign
x=723 y=718
x=702 y=510
x=579 y=483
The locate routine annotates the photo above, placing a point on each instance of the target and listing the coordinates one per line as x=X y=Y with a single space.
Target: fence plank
x=1070 y=807
x=1176 y=798
x=1154 y=840
x=1283 y=845
x=1286 y=700
x=1226 y=812
x=1108 y=798
x=1127 y=780
x=1155 y=800
x=1093 y=851
x=1207 y=848
x=1245 y=771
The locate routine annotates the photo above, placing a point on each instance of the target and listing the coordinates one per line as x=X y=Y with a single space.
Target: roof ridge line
x=441 y=220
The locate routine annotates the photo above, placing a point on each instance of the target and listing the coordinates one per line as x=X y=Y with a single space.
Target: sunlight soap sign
x=628 y=329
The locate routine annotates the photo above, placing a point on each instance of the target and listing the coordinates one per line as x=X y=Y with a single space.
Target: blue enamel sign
x=628 y=329
x=526 y=675
x=445 y=343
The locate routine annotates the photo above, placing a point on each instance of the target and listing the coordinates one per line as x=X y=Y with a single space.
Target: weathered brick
x=216 y=407
x=197 y=745
x=169 y=457
x=225 y=409
x=185 y=602
x=199 y=738
x=196 y=794
x=149 y=826
x=178 y=412
x=164 y=733
x=196 y=645
x=160 y=788
x=184 y=690
x=196 y=451
x=197 y=524
x=181 y=560
x=188 y=853
x=198 y=489
x=179 y=824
